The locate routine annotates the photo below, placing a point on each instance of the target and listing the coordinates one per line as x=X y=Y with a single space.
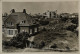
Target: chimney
x=13 y=11
x=24 y=10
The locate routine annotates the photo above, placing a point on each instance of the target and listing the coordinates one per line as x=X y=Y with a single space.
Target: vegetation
x=19 y=40
x=64 y=19
x=55 y=32
x=54 y=46
x=75 y=21
x=71 y=28
x=44 y=22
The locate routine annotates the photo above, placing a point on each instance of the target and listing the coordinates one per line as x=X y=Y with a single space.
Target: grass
x=11 y=49
x=57 y=34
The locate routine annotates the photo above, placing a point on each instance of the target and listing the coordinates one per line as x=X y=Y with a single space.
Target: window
x=16 y=31
x=10 y=23
x=30 y=31
x=23 y=21
x=35 y=29
x=10 y=32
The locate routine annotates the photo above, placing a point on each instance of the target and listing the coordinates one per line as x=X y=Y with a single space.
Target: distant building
x=74 y=15
x=50 y=14
x=18 y=22
x=68 y=15
x=64 y=15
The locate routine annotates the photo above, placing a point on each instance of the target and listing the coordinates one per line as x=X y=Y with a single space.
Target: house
x=18 y=22
x=50 y=14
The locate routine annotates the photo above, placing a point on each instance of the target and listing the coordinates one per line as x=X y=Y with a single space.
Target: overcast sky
x=41 y=7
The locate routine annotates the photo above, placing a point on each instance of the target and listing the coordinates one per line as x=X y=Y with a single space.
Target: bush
x=68 y=48
x=64 y=19
x=6 y=43
x=75 y=21
x=44 y=29
x=19 y=40
x=71 y=28
x=54 y=46
x=41 y=45
x=44 y=22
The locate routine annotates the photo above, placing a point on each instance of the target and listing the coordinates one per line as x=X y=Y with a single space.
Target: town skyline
x=40 y=7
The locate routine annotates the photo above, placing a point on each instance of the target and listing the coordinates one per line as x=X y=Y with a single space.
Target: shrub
x=71 y=28
x=44 y=29
x=41 y=45
x=75 y=21
x=54 y=46
x=68 y=48
x=44 y=22
x=6 y=43
x=64 y=19
x=19 y=40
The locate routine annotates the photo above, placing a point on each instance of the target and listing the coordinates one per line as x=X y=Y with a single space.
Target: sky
x=41 y=7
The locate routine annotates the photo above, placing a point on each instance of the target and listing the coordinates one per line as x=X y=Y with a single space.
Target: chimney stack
x=24 y=10
x=13 y=11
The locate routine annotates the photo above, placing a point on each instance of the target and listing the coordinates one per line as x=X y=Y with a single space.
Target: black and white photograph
x=40 y=26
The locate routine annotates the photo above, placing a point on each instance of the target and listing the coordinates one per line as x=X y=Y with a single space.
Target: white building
x=50 y=14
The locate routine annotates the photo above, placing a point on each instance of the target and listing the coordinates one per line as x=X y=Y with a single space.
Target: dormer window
x=10 y=23
x=22 y=22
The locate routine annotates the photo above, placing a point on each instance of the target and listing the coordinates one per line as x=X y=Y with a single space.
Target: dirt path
x=31 y=50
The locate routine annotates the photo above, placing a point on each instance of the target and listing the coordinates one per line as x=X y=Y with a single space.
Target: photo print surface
x=40 y=26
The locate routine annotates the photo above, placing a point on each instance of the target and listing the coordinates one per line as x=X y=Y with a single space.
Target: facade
x=50 y=14
x=18 y=22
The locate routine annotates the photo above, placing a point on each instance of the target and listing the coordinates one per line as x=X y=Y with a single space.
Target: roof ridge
x=27 y=18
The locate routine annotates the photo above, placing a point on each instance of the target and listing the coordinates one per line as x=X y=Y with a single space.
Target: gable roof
x=20 y=16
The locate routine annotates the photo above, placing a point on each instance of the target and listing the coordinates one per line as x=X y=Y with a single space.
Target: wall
x=26 y=29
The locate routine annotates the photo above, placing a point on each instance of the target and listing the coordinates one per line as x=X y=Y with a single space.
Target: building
x=74 y=15
x=18 y=22
x=68 y=15
x=50 y=14
x=64 y=15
